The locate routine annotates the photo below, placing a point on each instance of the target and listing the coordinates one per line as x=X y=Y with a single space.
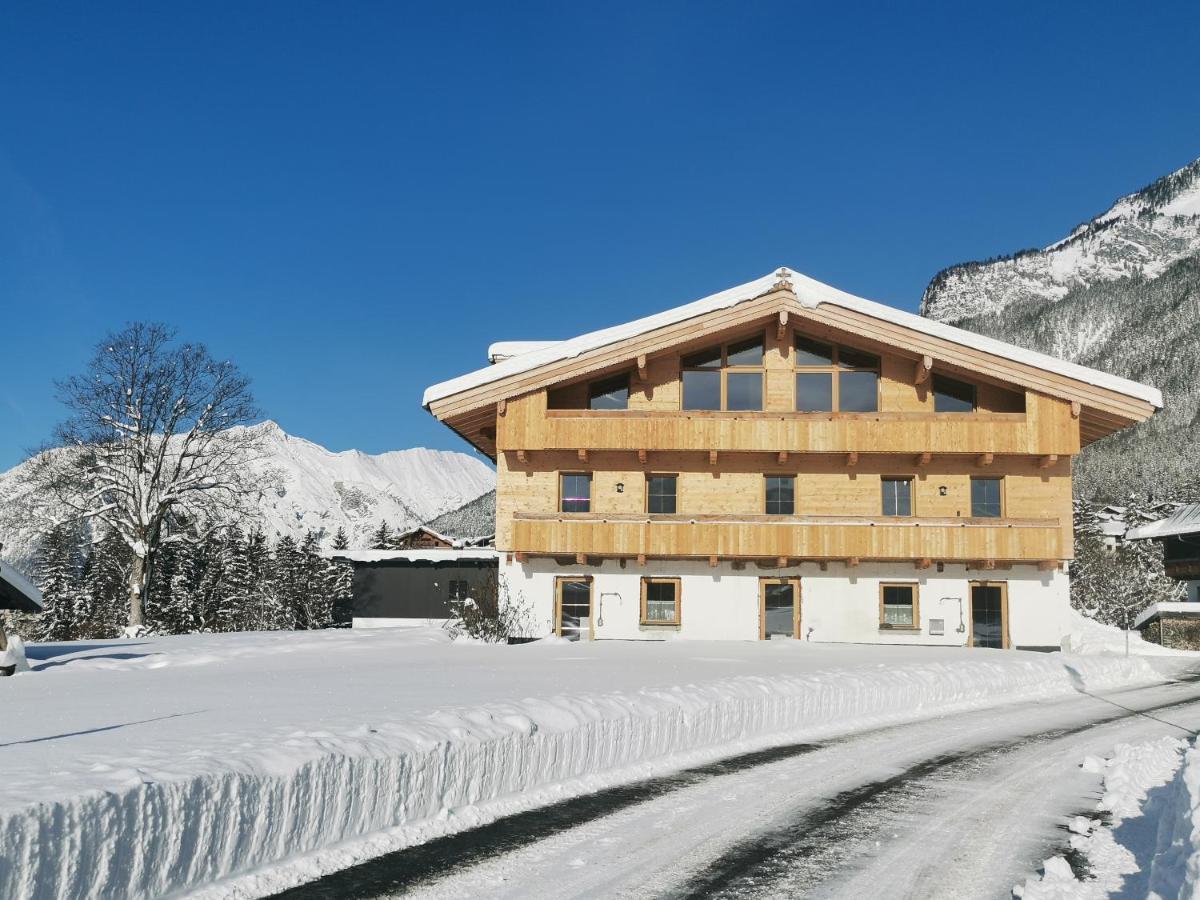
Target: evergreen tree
x=106 y=587
x=382 y=537
x=340 y=541
x=59 y=575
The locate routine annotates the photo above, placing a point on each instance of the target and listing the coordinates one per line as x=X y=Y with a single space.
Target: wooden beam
x=923 y=459
x=581 y=559
x=520 y=556
x=712 y=561
x=583 y=455
x=823 y=565
x=988 y=564
x=488 y=433
x=643 y=455
x=924 y=563
x=642 y=560
x=501 y=407
x=712 y=457
x=781 y=457
x=641 y=366
x=1047 y=461
x=852 y=458
x=984 y=459
x=522 y=456
x=781 y=562
x=853 y=562
x=924 y=367
x=1076 y=409
x=508 y=558
x=781 y=328
x=1048 y=565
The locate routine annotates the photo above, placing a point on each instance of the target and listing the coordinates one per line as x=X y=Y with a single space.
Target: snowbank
x=1091 y=638
x=145 y=768
x=1144 y=833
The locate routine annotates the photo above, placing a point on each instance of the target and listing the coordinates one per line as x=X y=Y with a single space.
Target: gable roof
x=811 y=294
x=1185 y=520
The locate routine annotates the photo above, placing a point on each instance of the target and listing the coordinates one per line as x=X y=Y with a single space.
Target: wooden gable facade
x=1025 y=423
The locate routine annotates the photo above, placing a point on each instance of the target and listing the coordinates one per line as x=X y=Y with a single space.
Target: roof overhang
x=16 y=592
x=1107 y=402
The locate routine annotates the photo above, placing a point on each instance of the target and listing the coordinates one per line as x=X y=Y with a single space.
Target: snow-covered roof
x=502 y=350
x=427 y=554
x=1185 y=520
x=16 y=592
x=1154 y=610
x=810 y=293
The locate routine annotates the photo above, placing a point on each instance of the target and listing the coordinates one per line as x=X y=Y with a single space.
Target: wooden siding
x=827 y=488
x=791 y=537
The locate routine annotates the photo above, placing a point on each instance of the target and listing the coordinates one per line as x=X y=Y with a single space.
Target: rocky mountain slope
x=309 y=488
x=1121 y=293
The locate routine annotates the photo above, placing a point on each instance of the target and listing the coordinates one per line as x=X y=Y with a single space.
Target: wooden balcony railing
x=807 y=537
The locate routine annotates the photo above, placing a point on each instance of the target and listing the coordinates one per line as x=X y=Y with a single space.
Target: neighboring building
x=1179 y=533
x=783 y=459
x=405 y=588
x=16 y=592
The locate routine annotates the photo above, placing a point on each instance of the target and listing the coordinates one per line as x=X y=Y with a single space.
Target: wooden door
x=989 y=614
x=778 y=608
x=573 y=608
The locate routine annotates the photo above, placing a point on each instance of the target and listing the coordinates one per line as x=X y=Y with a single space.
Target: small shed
x=1174 y=625
x=16 y=592
x=417 y=586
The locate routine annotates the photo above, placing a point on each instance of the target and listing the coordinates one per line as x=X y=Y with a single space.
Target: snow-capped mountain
x=1141 y=235
x=308 y=488
x=1120 y=293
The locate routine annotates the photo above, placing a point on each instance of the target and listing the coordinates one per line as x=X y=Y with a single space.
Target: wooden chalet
x=783 y=459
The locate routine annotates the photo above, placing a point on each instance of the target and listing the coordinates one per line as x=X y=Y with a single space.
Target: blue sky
x=352 y=200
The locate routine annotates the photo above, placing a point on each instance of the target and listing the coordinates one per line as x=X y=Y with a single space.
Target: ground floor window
x=989 y=614
x=898 y=606
x=573 y=608
x=660 y=601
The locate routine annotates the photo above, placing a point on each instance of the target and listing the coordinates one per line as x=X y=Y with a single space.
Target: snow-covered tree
x=149 y=452
x=381 y=539
x=59 y=574
x=340 y=541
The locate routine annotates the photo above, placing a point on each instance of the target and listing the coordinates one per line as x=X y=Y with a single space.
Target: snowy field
x=236 y=765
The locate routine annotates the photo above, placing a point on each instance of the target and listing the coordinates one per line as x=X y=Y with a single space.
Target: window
x=952 y=395
x=726 y=377
x=660 y=601
x=986 y=498
x=576 y=492
x=832 y=378
x=611 y=393
x=897 y=496
x=459 y=590
x=781 y=495
x=660 y=493
x=898 y=606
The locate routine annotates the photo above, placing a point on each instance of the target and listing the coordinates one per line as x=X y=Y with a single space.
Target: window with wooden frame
x=987 y=498
x=833 y=378
x=952 y=395
x=575 y=492
x=780 y=495
x=609 y=393
x=897 y=496
x=728 y=376
x=660 y=601
x=661 y=494
x=898 y=606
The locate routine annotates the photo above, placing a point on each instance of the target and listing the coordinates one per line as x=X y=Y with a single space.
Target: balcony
x=773 y=537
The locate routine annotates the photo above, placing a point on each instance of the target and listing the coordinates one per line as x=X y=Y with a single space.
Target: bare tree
x=151 y=452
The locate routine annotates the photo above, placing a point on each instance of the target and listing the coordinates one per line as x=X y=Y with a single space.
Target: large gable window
x=832 y=378
x=611 y=393
x=952 y=395
x=728 y=377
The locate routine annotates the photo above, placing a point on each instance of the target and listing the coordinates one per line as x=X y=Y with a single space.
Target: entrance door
x=779 y=608
x=573 y=613
x=989 y=614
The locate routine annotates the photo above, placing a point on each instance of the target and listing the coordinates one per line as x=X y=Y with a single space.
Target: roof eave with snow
x=811 y=293
x=16 y=592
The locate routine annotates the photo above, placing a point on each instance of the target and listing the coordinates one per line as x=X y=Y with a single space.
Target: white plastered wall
x=840 y=604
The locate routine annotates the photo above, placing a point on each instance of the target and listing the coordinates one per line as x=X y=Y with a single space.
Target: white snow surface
x=308 y=488
x=1092 y=638
x=237 y=765
x=428 y=554
x=811 y=293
